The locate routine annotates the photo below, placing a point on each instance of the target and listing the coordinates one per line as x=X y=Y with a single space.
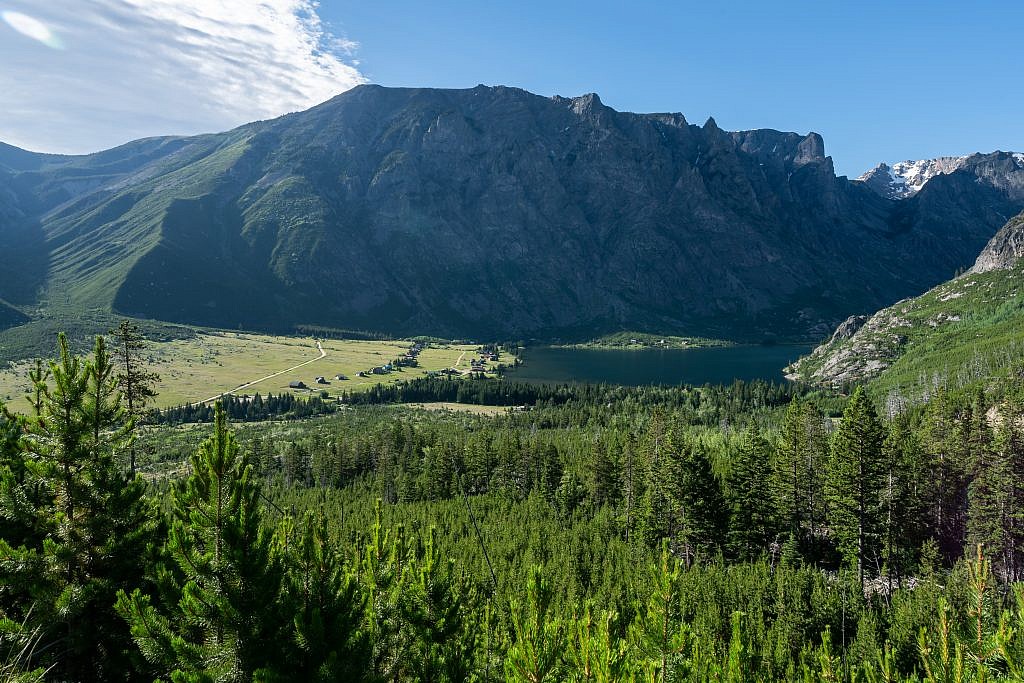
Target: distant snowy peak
x=905 y=178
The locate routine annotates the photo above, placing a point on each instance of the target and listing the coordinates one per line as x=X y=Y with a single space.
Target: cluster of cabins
x=409 y=359
x=319 y=379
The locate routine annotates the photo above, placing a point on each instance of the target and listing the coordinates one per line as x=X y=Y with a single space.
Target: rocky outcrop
x=1004 y=250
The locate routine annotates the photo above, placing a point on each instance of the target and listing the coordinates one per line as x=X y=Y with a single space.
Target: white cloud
x=136 y=68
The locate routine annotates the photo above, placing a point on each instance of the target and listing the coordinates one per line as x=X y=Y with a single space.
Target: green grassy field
x=210 y=363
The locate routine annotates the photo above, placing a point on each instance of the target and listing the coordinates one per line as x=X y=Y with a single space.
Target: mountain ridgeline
x=487 y=212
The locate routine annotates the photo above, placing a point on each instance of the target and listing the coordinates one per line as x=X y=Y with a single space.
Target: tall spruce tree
x=901 y=503
x=751 y=523
x=996 y=511
x=697 y=510
x=228 y=623
x=945 y=440
x=855 y=473
x=796 y=480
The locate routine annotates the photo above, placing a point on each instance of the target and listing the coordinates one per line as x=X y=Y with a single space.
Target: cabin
x=321 y=380
x=339 y=376
x=296 y=384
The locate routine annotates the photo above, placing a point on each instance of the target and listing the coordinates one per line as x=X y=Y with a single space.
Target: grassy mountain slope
x=967 y=330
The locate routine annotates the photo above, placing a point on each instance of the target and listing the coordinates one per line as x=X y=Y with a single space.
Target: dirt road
x=319 y=348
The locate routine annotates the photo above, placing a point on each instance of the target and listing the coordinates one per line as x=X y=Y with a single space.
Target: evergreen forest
x=750 y=532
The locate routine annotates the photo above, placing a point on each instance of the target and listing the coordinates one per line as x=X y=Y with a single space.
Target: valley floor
x=213 y=363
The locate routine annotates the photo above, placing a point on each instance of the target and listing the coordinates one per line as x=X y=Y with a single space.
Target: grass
x=209 y=363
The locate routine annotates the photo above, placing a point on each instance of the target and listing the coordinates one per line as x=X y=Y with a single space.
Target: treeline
x=254 y=408
x=505 y=392
x=731 y=401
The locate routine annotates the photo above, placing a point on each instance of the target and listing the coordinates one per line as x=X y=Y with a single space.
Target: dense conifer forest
x=753 y=532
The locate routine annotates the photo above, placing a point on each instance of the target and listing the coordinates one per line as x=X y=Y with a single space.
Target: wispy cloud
x=135 y=68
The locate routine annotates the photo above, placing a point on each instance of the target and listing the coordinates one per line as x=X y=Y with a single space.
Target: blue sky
x=880 y=81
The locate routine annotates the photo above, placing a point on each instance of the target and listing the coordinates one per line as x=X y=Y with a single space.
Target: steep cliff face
x=967 y=329
x=485 y=212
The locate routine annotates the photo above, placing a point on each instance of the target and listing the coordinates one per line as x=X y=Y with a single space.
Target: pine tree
x=854 y=486
x=540 y=638
x=328 y=607
x=227 y=624
x=751 y=525
x=133 y=379
x=38 y=376
x=796 y=479
x=89 y=526
x=658 y=634
x=595 y=654
x=435 y=607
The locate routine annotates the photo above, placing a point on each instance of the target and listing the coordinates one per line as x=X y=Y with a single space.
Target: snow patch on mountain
x=905 y=178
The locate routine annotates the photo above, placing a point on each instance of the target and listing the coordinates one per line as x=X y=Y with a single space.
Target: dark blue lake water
x=656 y=366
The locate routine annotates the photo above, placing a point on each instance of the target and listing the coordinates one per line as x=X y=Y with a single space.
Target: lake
x=635 y=367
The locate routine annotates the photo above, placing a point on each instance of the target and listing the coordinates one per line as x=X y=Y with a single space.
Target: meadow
x=213 y=362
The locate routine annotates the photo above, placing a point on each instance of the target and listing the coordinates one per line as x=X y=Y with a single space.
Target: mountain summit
x=485 y=212
x=906 y=178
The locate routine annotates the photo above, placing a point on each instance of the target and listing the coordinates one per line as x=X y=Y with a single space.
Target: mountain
x=968 y=329
x=486 y=212
x=906 y=178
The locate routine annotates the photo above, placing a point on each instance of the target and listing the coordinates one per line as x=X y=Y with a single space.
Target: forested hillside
x=750 y=532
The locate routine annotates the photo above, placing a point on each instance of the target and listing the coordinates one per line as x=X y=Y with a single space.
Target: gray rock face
x=1004 y=250
x=849 y=327
x=487 y=212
